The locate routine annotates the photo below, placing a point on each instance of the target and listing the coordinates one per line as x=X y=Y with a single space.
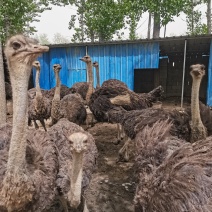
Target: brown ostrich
x=28 y=157
x=172 y=175
x=70 y=106
x=198 y=130
x=80 y=88
x=77 y=159
x=96 y=65
x=40 y=106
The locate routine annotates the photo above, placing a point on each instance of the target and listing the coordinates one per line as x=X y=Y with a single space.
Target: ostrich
x=87 y=60
x=40 y=106
x=96 y=65
x=80 y=88
x=172 y=175
x=70 y=106
x=198 y=130
x=28 y=157
x=77 y=159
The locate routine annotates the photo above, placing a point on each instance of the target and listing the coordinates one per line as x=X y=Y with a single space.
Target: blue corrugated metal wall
x=115 y=61
x=209 y=90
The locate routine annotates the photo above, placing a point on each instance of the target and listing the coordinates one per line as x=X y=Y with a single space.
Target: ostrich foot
x=124 y=152
x=36 y=125
x=43 y=124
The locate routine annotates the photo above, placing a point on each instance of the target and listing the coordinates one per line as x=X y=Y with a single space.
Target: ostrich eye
x=85 y=141
x=16 y=45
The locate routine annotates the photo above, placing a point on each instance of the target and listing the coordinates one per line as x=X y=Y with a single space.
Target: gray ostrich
x=70 y=106
x=40 y=106
x=77 y=160
x=28 y=157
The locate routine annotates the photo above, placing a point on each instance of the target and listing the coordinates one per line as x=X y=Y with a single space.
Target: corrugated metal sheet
x=115 y=61
x=209 y=90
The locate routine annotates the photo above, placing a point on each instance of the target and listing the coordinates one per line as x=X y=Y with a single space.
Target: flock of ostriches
x=49 y=170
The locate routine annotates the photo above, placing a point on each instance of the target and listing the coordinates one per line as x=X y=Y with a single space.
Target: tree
x=58 y=38
x=3 y=114
x=42 y=38
x=193 y=19
x=98 y=19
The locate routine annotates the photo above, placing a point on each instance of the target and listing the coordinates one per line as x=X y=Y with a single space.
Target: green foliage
x=97 y=19
x=16 y=16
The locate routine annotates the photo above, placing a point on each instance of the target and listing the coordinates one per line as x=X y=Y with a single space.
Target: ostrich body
x=28 y=157
x=40 y=106
x=198 y=130
x=80 y=88
x=131 y=120
x=96 y=65
x=77 y=159
x=173 y=175
x=70 y=106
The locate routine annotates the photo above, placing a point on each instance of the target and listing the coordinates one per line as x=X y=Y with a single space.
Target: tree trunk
x=149 y=25
x=156 y=27
x=209 y=16
x=3 y=110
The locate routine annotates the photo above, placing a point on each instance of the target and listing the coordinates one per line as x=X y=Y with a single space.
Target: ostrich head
x=36 y=64
x=56 y=68
x=197 y=71
x=22 y=49
x=78 y=142
x=86 y=59
x=95 y=64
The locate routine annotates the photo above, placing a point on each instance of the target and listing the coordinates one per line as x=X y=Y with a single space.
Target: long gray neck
x=17 y=151
x=97 y=77
x=195 y=111
x=57 y=88
x=37 y=84
x=90 y=79
x=74 y=195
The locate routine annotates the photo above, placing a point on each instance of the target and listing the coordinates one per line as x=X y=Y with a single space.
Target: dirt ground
x=113 y=186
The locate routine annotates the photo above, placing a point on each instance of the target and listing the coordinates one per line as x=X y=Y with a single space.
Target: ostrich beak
x=39 y=49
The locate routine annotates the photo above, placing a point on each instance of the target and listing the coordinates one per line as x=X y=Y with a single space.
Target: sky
x=57 y=19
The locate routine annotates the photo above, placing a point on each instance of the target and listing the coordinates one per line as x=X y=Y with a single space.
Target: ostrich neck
x=76 y=179
x=19 y=81
x=90 y=80
x=37 y=84
x=195 y=111
x=57 y=88
x=97 y=77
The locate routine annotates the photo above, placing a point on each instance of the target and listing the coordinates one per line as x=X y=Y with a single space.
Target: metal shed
x=141 y=64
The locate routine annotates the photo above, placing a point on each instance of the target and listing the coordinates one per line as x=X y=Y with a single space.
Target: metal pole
x=183 y=73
